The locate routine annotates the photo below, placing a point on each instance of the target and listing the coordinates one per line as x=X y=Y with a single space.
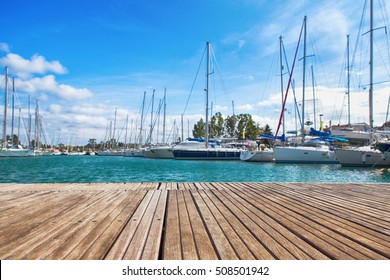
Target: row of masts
x=38 y=118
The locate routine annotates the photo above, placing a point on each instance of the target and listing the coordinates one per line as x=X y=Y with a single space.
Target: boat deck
x=195 y=221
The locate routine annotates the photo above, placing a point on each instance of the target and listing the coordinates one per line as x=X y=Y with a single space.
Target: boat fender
x=364 y=156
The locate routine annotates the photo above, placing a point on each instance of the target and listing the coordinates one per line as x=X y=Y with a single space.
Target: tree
x=230 y=126
x=247 y=128
x=216 y=125
x=266 y=130
x=199 y=129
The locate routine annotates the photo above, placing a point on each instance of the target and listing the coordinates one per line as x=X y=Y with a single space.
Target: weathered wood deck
x=195 y=221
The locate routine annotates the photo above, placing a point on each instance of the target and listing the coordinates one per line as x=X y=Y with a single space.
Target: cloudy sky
x=84 y=60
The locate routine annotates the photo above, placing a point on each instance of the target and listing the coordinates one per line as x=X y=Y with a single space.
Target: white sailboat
x=306 y=152
x=10 y=149
x=260 y=154
x=207 y=151
x=367 y=156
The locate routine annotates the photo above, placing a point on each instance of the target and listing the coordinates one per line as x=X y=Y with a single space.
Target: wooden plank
x=151 y=249
x=203 y=243
x=364 y=236
x=238 y=223
x=103 y=242
x=336 y=246
x=171 y=242
x=74 y=244
x=135 y=249
x=76 y=220
x=229 y=229
x=218 y=237
x=187 y=238
x=266 y=235
x=120 y=246
x=25 y=234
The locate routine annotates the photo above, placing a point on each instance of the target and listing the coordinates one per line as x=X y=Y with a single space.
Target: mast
x=281 y=81
x=207 y=93
x=5 y=109
x=314 y=98
x=113 y=142
x=37 y=127
x=371 y=94
x=151 y=119
x=348 y=84
x=165 y=114
x=13 y=112
x=303 y=81
x=182 y=126
x=29 y=122
x=142 y=116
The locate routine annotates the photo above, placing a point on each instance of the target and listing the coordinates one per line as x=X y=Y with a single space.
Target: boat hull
x=317 y=155
x=207 y=154
x=16 y=153
x=361 y=158
x=159 y=152
x=257 y=156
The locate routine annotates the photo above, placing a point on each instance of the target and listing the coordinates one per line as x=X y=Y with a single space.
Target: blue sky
x=83 y=59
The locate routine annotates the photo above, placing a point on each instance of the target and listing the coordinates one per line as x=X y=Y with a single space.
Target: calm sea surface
x=124 y=169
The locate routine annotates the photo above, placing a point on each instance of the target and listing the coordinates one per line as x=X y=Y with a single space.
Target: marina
x=195 y=221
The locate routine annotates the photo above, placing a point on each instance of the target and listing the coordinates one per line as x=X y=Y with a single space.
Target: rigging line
x=296 y=108
x=271 y=70
x=193 y=84
x=383 y=10
x=289 y=81
x=358 y=40
x=214 y=58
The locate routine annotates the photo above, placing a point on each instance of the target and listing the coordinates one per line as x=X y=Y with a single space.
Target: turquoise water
x=57 y=169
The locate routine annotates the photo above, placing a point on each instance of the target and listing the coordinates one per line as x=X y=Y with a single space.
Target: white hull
x=303 y=154
x=266 y=155
x=159 y=152
x=135 y=153
x=362 y=157
x=16 y=153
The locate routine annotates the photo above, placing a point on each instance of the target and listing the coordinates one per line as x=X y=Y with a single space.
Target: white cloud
x=4 y=47
x=49 y=84
x=26 y=67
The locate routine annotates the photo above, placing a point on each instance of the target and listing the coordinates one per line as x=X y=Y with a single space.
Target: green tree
x=216 y=125
x=266 y=130
x=230 y=126
x=199 y=129
x=247 y=128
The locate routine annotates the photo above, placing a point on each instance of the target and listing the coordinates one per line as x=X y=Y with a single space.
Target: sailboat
x=262 y=153
x=308 y=151
x=207 y=151
x=366 y=156
x=10 y=149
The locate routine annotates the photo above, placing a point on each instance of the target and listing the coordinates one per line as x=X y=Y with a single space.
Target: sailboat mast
x=281 y=81
x=303 y=82
x=348 y=84
x=142 y=117
x=165 y=114
x=13 y=112
x=371 y=94
x=5 y=109
x=207 y=93
x=151 y=120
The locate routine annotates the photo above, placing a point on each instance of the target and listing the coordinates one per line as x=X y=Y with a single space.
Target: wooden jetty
x=189 y=221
